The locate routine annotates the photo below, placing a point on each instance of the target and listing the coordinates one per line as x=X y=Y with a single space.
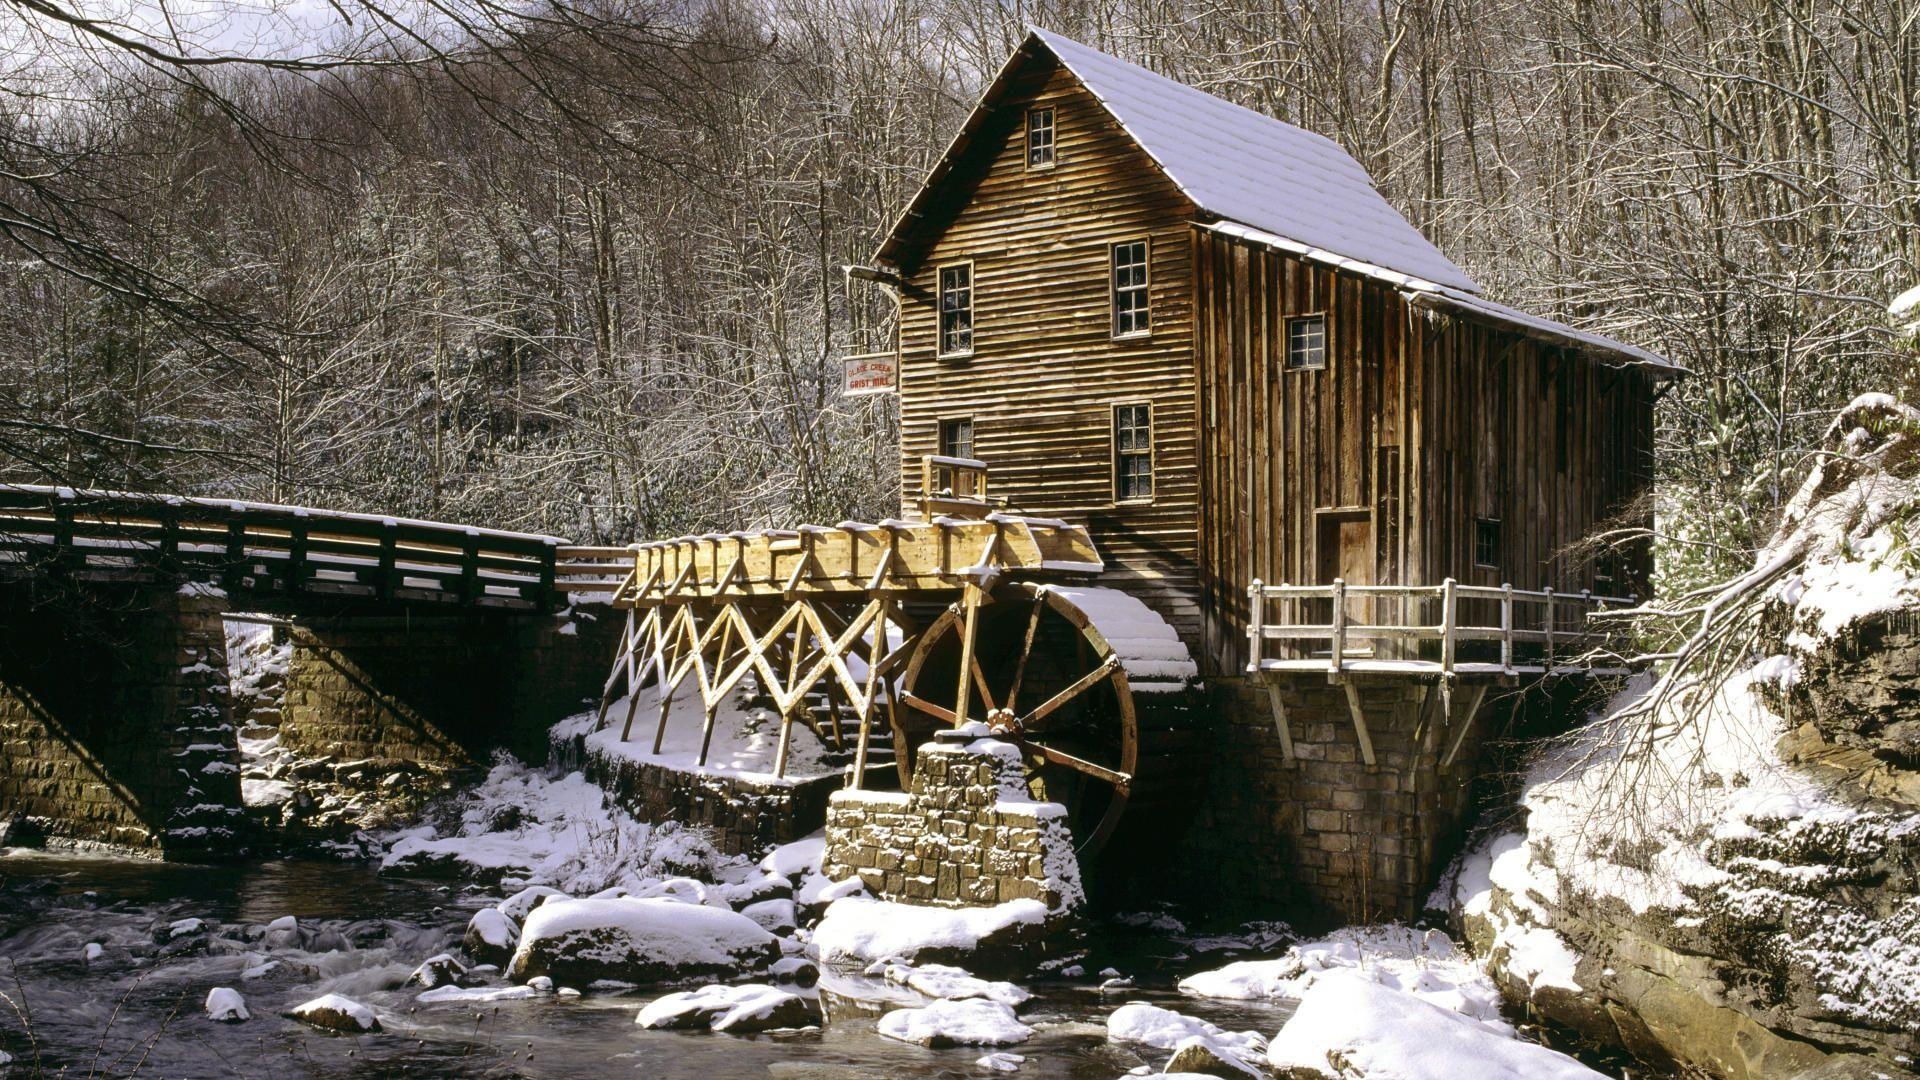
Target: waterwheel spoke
x=1079 y=686
x=1026 y=650
x=940 y=712
x=1120 y=780
x=980 y=684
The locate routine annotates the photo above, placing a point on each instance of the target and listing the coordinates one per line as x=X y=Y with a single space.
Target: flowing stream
x=136 y=1007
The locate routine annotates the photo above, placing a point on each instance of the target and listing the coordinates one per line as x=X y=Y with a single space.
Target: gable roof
x=1282 y=184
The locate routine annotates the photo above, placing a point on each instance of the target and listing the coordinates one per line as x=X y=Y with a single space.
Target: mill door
x=1344 y=549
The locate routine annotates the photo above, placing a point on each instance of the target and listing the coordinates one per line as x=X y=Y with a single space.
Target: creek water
x=136 y=1008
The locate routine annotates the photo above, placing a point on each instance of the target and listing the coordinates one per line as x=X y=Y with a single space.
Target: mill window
x=1486 y=543
x=956 y=309
x=1040 y=137
x=956 y=437
x=1130 y=288
x=1132 y=452
x=1307 y=343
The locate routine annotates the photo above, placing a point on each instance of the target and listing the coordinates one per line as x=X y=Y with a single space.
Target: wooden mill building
x=1204 y=335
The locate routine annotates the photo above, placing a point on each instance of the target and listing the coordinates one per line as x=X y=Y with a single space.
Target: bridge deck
x=942 y=555
x=273 y=551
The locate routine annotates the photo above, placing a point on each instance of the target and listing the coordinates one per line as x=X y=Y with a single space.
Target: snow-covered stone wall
x=966 y=834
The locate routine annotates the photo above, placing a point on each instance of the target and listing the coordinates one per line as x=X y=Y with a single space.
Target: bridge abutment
x=114 y=719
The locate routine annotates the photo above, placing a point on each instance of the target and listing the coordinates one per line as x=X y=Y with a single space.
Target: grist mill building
x=1227 y=498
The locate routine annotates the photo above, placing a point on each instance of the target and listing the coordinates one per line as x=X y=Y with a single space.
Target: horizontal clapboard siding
x=1045 y=372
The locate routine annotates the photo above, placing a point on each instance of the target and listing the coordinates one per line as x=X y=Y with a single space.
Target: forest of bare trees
x=570 y=265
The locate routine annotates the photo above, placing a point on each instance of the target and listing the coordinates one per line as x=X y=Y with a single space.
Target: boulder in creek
x=734 y=1010
x=635 y=940
x=227 y=1006
x=437 y=970
x=490 y=937
x=332 y=1012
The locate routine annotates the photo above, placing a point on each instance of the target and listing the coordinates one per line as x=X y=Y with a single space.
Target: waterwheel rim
x=1024 y=708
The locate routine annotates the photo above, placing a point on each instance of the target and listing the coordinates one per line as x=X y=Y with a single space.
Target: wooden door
x=1344 y=549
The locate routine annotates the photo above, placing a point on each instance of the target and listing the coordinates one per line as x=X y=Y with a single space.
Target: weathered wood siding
x=1045 y=372
x=1487 y=423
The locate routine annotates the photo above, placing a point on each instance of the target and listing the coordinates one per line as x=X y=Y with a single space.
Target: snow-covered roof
x=1248 y=167
x=1426 y=293
x=1231 y=161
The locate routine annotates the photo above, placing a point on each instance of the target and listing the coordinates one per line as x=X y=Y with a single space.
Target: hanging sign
x=871 y=373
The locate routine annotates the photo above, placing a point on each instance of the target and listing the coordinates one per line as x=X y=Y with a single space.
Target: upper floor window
x=1132 y=452
x=1307 y=343
x=1040 y=137
x=956 y=309
x=1486 y=543
x=1130 y=288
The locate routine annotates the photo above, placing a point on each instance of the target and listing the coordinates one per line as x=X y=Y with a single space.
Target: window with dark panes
x=1307 y=343
x=1132 y=452
x=956 y=437
x=956 y=309
x=1130 y=288
x=1040 y=137
x=1486 y=543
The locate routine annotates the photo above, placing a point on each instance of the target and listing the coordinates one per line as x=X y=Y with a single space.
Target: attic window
x=956 y=309
x=1130 y=289
x=1307 y=343
x=1040 y=137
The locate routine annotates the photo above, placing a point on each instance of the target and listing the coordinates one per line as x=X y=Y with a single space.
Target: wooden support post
x=1359 y=722
x=1548 y=664
x=388 y=574
x=470 y=590
x=236 y=555
x=622 y=663
x=297 y=556
x=867 y=700
x=1449 y=615
x=786 y=740
x=1334 y=674
x=1256 y=632
x=970 y=603
x=549 y=558
x=1474 y=697
x=1277 y=702
x=1506 y=628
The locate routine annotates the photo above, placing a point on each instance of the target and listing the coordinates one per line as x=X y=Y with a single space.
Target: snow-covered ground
x=745 y=741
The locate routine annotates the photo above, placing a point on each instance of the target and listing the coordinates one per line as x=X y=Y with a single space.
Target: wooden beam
x=1474 y=697
x=1359 y=722
x=1277 y=703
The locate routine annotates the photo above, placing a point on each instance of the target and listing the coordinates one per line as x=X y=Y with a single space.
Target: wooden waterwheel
x=1092 y=686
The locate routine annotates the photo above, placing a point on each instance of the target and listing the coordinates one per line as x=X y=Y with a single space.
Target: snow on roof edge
x=1433 y=293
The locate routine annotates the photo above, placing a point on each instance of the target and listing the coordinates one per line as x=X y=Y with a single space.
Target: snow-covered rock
x=332 y=1012
x=859 y=931
x=1165 y=1029
x=738 y=1010
x=999 y=1061
x=227 y=1006
x=1425 y=963
x=490 y=937
x=1350 y=1026
x=970 y=1022
x=517 y=906
x=637 y=940
x=438 y=970
x=1201 y=1055
x=777 y=916
x=944 y=981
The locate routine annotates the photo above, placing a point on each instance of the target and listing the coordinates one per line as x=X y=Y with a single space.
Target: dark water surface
x=137 y=1009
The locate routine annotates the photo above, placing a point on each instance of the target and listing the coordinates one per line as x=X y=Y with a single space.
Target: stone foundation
x=745 y=817
x=965 y=834
x=114 y=720
x=1328 y=838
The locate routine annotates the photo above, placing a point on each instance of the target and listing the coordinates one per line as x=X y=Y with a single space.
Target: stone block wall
x=1329 y=837
x=966 y=834
x=745 y=817
x=115 y=727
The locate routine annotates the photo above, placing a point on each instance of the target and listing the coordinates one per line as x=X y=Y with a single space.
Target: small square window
x=1040 y=137
x=956 y=309
x=1129 y=282
x=1132 y=452
x=1307 y=343
x=1486 y=543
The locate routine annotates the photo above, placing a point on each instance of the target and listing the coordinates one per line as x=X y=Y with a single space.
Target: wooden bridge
x=274 y=553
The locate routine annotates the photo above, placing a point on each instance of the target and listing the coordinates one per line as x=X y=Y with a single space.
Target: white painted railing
x=1448 y=628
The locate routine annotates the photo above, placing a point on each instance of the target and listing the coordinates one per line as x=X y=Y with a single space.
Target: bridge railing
x=270 y=550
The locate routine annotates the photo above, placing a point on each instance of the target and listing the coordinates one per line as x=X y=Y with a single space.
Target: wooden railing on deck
x=1448 y=628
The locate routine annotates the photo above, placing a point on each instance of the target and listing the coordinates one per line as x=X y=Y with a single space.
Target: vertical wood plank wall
x=1045 y=372
x=1488 y=424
